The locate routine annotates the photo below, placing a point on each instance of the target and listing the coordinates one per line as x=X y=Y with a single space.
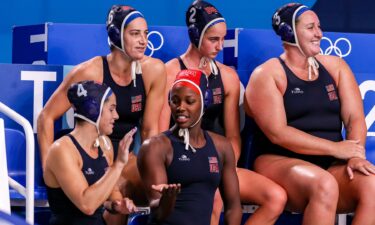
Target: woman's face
x=135 y=38
x=213 y=40
x=185 y=105
x=309 y=33
x=108 y=116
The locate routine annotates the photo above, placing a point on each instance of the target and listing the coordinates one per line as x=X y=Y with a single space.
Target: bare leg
x=310 y=189
x=257 y=189
x=131 y=185
x=356 y=195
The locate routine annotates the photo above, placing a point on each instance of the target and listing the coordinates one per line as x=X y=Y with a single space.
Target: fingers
x=350 y=172
x=167 y=188
x=354 y=141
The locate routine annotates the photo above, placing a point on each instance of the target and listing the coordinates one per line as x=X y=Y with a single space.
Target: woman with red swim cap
x=206 y=30
x=182 y=167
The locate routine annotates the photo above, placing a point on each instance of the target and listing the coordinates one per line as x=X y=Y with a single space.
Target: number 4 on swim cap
x=81 y=91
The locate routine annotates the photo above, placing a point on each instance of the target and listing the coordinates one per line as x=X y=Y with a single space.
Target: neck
x=294 y=58
x=197 y=139
x=192 y=57
x=119 y=62
x=86 y=134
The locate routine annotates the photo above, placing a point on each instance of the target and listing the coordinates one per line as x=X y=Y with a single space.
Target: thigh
x=298 y=177
x=352 y=191
x=131 y=184
x=256 y=188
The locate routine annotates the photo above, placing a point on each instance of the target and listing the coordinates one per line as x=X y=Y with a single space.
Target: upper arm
x=350 y=99
x=151 y=165
x=231 y=108
x=65 y=168
x=155 y=79
x=172 y=68
x=229 y=188
x=265 y=101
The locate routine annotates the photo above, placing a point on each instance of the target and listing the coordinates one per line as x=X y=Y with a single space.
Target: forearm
x=356 y=130
x=233 y=216
x=96 y=194
x=45 y=137
x=301 y=142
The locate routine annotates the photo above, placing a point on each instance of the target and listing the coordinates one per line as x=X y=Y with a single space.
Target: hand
x=124 y=206
x=168 y=193
x=361 y=165
x=348 y=149
x=123 y=147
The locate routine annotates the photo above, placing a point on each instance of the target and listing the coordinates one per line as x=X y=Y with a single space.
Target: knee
x=325 y=190
x=275 y=199
x=366 y=188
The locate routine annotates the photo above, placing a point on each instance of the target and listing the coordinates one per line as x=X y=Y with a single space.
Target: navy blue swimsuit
x=310 y=106
x=63 y=211
x=131 y=102
x=213 y=115
x=199 y=174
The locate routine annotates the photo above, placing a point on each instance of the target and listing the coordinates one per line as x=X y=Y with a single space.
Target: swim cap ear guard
x=284 y=19
x=118 y=17
x=87 y=99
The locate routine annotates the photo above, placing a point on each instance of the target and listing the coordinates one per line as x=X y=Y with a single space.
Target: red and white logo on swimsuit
x=136 y=103
x=331 y=92
x=216 y=92
x=214 y=164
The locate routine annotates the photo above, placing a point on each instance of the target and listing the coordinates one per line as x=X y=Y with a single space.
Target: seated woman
x=80 y=174
x=182 y=167
x=207 y=29
x=300 y=102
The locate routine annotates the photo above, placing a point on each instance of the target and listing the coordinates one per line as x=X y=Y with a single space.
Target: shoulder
x=152 y=65
x=271 y=69
x=334 y=65
x=221 y=143
x=61 y=151
x=227 y=71
x=173 y=67
x=88 y=70
x=157 y=143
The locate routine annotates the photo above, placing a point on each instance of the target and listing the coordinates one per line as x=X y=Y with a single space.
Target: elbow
x=276 y=138
x=87 y=210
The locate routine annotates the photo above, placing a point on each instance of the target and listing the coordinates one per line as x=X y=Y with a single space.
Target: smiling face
x=185 y=104
x=108 y=116
x=213 y=40
x=309 y=33
x=135 y=38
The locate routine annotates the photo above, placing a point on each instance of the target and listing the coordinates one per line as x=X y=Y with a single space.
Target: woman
x=182 y=167
x=80 y=173
x=300 y=101
x=207 y=29
x=137 y=81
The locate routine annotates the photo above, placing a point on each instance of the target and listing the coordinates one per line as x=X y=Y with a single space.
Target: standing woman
x=300 y=101
x=80 y=173
x=182 y=167
x=137 y=80
x=207 y=29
